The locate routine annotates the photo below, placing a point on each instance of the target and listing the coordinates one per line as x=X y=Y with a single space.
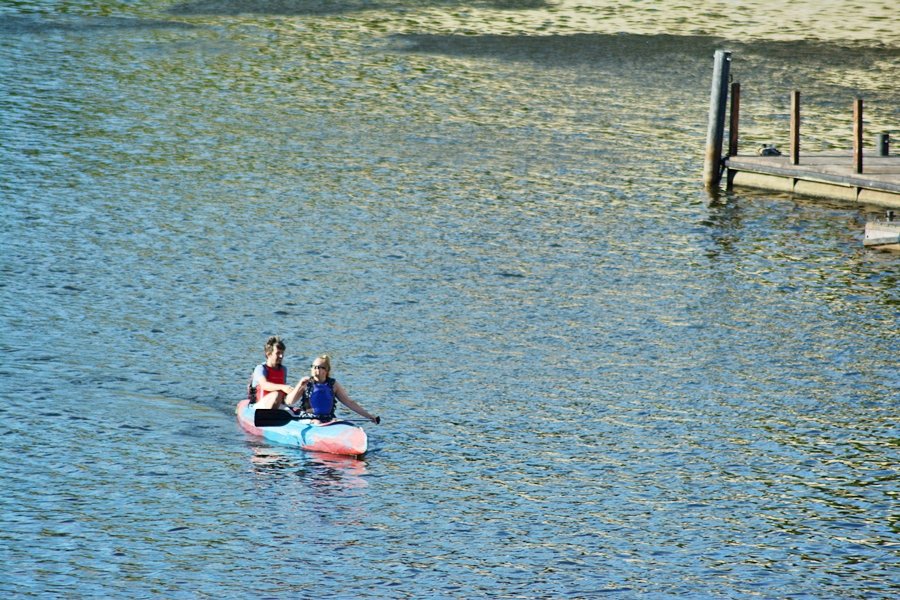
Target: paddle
x=272 y=417
x=275 y=417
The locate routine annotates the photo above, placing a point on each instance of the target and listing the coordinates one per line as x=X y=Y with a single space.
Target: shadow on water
x=576 y=48
x=591 y=47
x=328 y=7
x=31 y=24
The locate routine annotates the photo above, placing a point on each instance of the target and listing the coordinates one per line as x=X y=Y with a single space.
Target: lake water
x=595 y=379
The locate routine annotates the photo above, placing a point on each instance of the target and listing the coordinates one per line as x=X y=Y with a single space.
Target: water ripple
x=593 y=379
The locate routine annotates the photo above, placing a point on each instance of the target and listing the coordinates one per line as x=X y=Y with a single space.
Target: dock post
x=735 y=118
x=858 y=135
x=795 y=128
x=712 y=170
x=733 y=128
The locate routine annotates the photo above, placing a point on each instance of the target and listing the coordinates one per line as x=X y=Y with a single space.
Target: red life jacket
x=273 y=375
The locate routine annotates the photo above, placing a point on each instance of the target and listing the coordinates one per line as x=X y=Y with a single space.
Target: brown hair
x=272 y=343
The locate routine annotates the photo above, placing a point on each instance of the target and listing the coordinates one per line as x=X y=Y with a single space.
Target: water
x=595 y=380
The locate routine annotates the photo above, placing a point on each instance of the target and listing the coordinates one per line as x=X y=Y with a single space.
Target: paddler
x=268 y=386
x=318 y=393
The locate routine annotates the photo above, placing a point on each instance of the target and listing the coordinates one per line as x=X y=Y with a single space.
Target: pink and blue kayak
x=336 y=437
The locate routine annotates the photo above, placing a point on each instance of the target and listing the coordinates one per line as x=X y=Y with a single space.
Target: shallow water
x=594 y=378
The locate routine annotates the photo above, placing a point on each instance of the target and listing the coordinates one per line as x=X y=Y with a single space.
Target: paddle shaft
x=275 y=417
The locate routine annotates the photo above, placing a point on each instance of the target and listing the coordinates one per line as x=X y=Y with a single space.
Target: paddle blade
x=271 y=417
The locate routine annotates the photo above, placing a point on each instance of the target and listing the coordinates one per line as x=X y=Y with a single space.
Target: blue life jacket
x=318 y=398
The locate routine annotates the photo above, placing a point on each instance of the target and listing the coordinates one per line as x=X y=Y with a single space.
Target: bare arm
x=292 y=397
x=269 y=386
x=341 y=394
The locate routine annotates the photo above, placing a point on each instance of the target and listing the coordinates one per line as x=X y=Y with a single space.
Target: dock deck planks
x=825 y=174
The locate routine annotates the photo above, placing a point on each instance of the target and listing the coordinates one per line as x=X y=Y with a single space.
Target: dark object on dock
x=883 y=234
x=884 y=144
x=768 y=150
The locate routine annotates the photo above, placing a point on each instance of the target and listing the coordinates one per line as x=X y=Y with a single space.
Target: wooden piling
x=858 y=135
x=712 y=168
x=735 y=119
x=795 y=128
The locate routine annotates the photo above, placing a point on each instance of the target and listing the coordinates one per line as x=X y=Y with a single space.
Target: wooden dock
x=823 y=174
x=856 y=175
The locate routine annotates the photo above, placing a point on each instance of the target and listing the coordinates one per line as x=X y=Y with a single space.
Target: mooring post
x=795 y=128
x=718 y=98
x=858 y=135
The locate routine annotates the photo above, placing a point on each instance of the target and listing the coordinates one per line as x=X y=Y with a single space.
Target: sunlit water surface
x=594 y=378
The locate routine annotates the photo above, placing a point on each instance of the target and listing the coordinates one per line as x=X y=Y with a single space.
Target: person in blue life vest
x=319 y=391
x=268 y=386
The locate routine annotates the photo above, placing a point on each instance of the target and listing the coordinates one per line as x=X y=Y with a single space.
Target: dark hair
x=272 y=343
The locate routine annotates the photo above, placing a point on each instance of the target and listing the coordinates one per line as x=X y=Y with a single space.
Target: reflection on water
x=324 y=473
x=593 y=378
x=272 y=459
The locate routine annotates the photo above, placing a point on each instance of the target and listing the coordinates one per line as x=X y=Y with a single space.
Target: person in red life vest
x=319 y=391
x=268 y=385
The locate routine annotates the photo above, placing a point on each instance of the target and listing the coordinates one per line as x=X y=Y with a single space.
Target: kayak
x=336 y=437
